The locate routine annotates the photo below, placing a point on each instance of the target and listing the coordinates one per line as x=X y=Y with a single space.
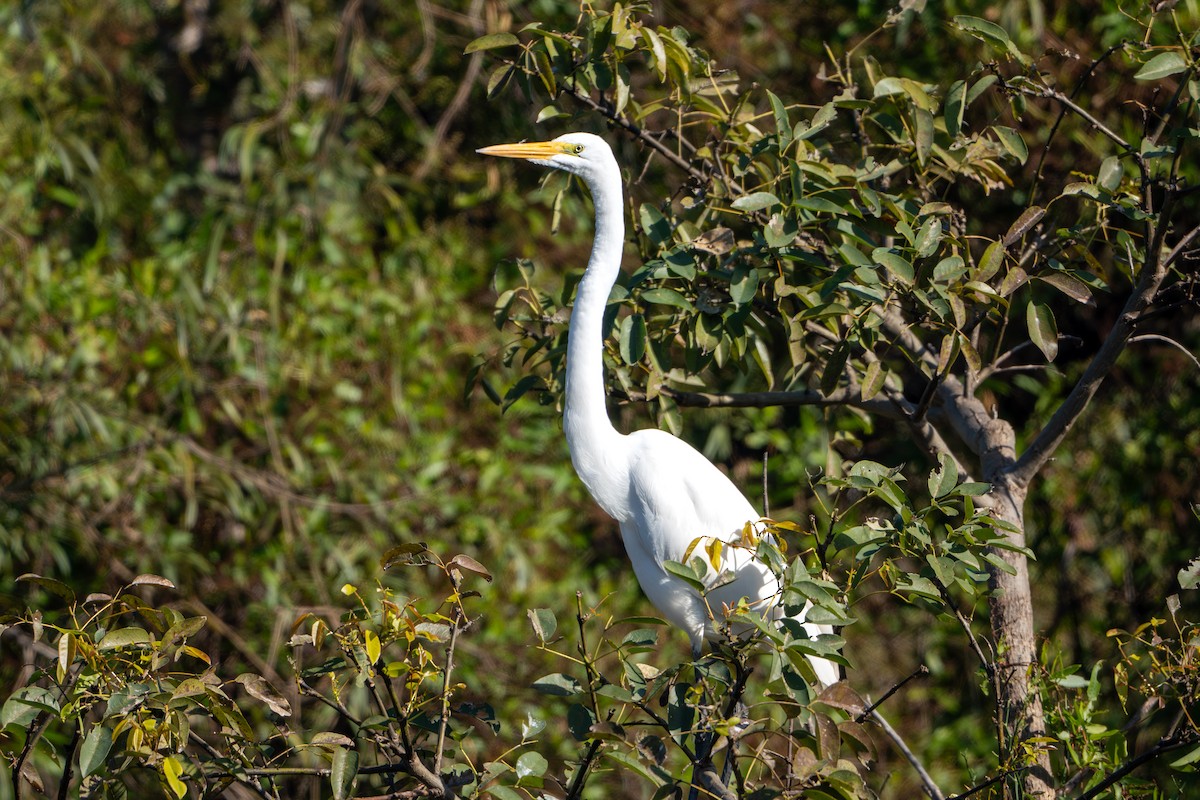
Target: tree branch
x=1177 y=250
x=805 y=397
x=927 y=781
x=989 y=437
x=1163 y=746
x=1052 y=435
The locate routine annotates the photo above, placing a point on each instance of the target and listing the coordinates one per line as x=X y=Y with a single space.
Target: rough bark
x=1020 y=705
x=993 y=441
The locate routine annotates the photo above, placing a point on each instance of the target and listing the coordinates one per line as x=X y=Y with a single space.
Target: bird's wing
x=677 y=496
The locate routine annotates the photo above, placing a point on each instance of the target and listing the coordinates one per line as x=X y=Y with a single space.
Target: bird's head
x=582 y=154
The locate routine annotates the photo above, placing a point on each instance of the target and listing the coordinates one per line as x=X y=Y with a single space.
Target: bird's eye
x=577 y=149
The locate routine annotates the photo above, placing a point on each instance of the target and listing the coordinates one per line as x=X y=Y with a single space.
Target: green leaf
x=125 y=637
x=550 y=112
x=558 y=684
x=1012 y=142
x=924 y=137
x=898 y=267
x=954 y=107
x=991 y=34
x=544 y=623
x=820 y=121
x=1189 y=576
x=1042 y=330
x=531 y=765
x=23 y=706
x=499 y=79
x=834 y=368
x=94 y=750
x=1110 y=173
x=989 y=264
x=633 y=338
x=580 y=720
x=1186 y=760
x=977 y=25
x=666 y=297
x=943 y=479
x=1070 y=286
x=780 y=231
x=631 y=763
x=980 y=86
x=743 y=285
x=641 y=637
x=1013 y=280
x=57 y=587
x=1161 y=66
x=928 y=237
x=684 y=573
x=343 y=772
x=491 y=42
x=783 y=125
x=873 y=379
x=654 y=224
x=755 y=202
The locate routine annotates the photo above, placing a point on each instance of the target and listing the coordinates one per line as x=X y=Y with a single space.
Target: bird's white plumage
x=661 y=491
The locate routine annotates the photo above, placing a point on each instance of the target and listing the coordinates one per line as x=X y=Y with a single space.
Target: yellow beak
x=541 y=150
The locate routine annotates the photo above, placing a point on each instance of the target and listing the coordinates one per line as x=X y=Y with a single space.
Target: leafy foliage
x=244 y=257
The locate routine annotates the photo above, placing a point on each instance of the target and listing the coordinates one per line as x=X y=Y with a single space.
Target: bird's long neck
x=594 y=443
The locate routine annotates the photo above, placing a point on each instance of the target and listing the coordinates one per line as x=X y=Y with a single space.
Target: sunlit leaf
x=755 y=202
x=544 y=623
x=1161 y=66
x=343 y=772
x=1042 y=330
x=492 y=41
x=172 y=770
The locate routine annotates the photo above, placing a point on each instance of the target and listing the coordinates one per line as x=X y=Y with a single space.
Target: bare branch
x=920 y=671
x=980 y=787
x=1155 y=337
x=931 y=788
x=1062 y=99
x=806 y=397
x=457 y=103
x=1163 y=745
x=1178 y=249
x=1052 y=435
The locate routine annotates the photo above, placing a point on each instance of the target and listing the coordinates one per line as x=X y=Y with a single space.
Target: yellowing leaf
x=172 y=769
x=374 y=649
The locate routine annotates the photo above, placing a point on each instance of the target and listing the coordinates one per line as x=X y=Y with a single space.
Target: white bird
x=662 y=492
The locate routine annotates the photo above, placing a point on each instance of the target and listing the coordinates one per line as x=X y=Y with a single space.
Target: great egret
x=662 y=492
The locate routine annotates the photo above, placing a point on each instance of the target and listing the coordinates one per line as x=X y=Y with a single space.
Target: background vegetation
x=249 y=272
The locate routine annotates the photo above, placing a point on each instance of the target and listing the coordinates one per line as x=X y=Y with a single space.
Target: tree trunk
x=1019 y=704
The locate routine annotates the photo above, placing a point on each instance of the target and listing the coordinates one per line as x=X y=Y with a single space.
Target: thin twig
x=1163 y=745
x=1059 y=97
x=1177 y=250
x=920 y=671
x=927 y=781
x=980 y=787
x=805 y=397
x=446 y=687
x=457 y=103
x=1155 y=337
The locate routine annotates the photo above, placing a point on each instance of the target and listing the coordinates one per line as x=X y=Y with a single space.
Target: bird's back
x=677 y=496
